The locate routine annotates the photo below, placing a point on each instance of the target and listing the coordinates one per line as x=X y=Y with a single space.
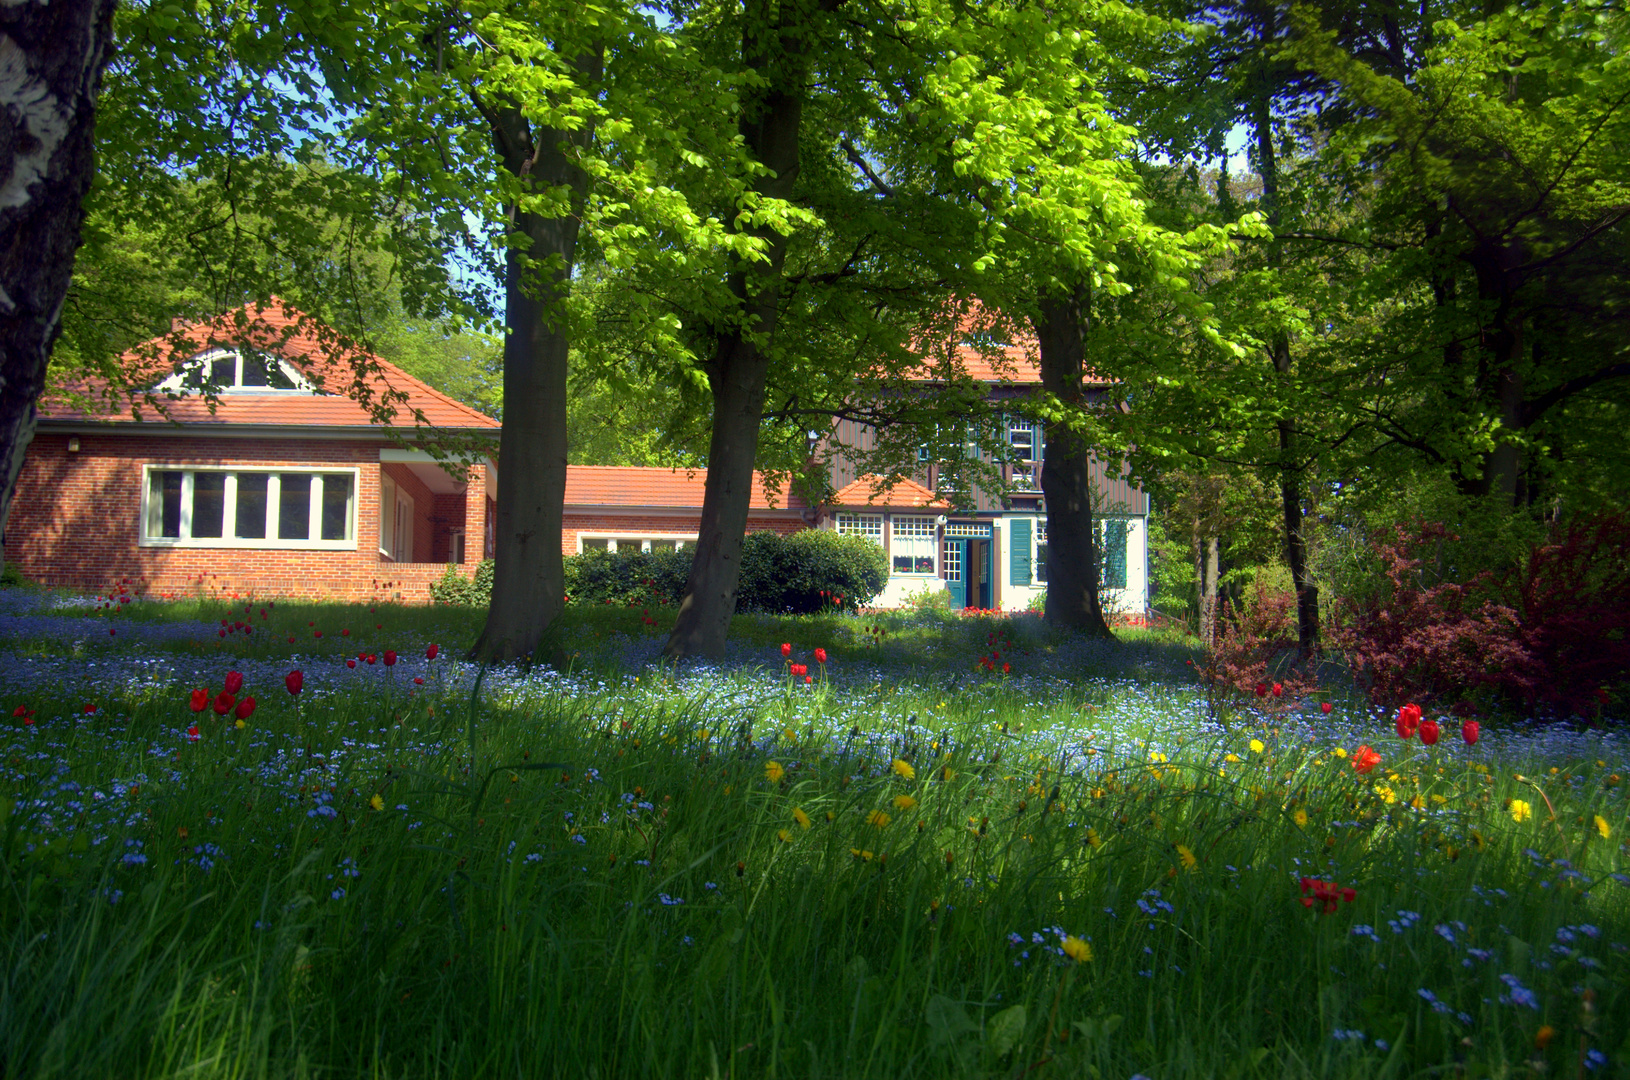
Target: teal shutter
x=1019 y=551
x=1114 y=566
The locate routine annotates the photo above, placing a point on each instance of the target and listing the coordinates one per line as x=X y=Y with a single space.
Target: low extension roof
x=657 y=488
x=868 y=491
x=344 y=374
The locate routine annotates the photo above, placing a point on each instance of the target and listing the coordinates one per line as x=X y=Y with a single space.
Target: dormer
x=237 y=371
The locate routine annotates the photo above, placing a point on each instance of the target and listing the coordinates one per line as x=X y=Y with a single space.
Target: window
x=395 y=521
x=1039 y=567
x=1021 y=436
x=227 y=371
x=911 y=545
x=658 y=542
x=260 y=508
x=867 y=525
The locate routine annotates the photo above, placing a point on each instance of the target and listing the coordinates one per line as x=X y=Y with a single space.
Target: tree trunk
x=776 y=47
x=529 y=584
x=1066 y=472
x=52 y=56
x=1209 y=572
x=1290 y=470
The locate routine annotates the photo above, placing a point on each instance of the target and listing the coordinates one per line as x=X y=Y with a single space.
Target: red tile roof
x=1011 y=354
x=632 y=485
x=347 y=374
x=868 y=491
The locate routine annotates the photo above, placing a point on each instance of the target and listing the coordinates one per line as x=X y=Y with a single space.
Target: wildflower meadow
x=265 y=840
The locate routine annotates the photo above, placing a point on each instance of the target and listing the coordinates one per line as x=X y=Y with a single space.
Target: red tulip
x=224 y=702
x=390 y=658
x=1429 y=732
x=808 y=680
x=345 y=633
x=371 y=658
x=350 y=663
x=1278 y=690
x=1324 y=707
x=318 y=633
x=430 y=653
x=1261 y=689
x=234 y=682
x=245 y=709
x=1365 y=759
x=1468 y=731
x=820 y=656
x=200 y=700
x=786 y=649
x=1409 y=718
x=294 y=680
x=192 y=733
x=418 y=680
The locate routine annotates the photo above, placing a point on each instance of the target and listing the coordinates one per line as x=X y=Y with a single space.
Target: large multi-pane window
x=911 y=545
x=258 y=508
x=1111 y=553
x=599 y=542
x=228 y=371
x=867 y=525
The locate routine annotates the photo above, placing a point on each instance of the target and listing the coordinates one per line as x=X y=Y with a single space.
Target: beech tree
x=53 y=56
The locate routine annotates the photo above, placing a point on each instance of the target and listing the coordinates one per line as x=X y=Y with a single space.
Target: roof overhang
x=251 y=431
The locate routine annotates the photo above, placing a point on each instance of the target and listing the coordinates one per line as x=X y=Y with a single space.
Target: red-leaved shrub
x=1552 y=637
x=1253 y=655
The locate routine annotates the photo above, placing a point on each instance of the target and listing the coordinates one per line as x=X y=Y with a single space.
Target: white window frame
x=396 y=512
x=177 y=383
x=868 y=525
x=919 y=537
x=229 y=513
x=637 y=541
x=1038 y=540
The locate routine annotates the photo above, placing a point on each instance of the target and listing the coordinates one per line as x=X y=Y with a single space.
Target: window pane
x=596 y=544
x=208 y=504
x=294 y=507
x=1041 y=561
x=662 y=545
x=164 y=505
x=254 y=368
x=251 y=507
x=336 y=506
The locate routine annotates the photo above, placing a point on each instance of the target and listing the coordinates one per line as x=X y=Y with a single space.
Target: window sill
x=220 y=544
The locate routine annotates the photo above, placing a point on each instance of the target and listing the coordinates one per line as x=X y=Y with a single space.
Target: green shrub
x=454 y=588
x=628 y=578
x=808 y=571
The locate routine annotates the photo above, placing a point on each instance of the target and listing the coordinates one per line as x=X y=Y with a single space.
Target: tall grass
x=608 y=874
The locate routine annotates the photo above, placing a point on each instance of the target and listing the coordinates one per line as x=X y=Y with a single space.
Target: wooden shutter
x=1019 y=550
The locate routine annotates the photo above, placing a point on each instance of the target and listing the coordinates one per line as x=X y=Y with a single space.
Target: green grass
x=519 y=918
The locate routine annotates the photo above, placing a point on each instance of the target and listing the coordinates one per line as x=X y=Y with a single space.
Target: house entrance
x=967 y=562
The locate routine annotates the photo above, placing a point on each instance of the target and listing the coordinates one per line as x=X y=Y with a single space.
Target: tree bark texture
x=1290 y=469
x=529 y=583
x=51 y=60
x=1066 y=472
x=775 y=44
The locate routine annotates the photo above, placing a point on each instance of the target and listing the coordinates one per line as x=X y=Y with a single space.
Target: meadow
x=955 y=847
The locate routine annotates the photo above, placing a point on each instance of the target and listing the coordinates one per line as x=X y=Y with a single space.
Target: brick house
x=991 y=555
x=282 y=489
x=618 y=507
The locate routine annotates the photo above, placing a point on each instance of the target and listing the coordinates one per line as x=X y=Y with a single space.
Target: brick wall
x=75 y=521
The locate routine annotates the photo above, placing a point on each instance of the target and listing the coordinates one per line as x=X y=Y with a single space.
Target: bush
x=628 y=578
x=809 y=571
x=454 y=588
x=1552 y=636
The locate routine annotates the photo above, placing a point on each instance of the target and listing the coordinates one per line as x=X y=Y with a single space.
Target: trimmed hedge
x=808 y=571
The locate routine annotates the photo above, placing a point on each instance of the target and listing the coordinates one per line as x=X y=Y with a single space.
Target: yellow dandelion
x=903 y=769
x=1077 y=950
x=1231 y=758
x=878 y=818
x=1186 y=857
x=1339 y=752
x=800 y=817
x=1157 y=757
x=240 y=724
x=1602 y=828
x=1439 y=799
x=830 y=815
x=706 y=734
x=377 y=803
x=904 y=802
x=1417 y=802
x=1477 y=840
x=1300 y=817
x=784 y=835
x=1093 y=838
x=865 y=856
x=1520 y=810
x=1256 y=746
x=773 y=772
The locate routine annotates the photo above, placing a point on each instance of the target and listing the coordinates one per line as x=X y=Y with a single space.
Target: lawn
x=911 y=864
